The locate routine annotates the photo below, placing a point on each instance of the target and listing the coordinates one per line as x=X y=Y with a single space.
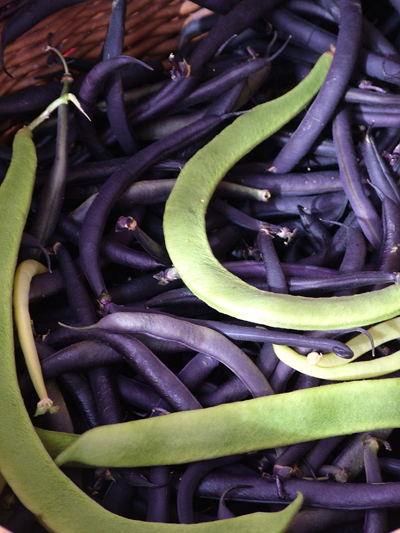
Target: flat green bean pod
x=240 y=427
x=346 y=372
x=189 y=250
x=24 y=462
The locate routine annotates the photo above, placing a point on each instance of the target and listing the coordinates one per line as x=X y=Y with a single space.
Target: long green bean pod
x=24 y=462
x=22 y=282
x=240 y=427
x=189 y=250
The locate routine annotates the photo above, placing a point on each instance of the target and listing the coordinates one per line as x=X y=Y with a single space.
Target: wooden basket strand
x=152 y=32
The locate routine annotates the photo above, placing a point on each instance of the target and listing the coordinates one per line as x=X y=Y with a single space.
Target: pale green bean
x=187 y=244
x=22 y=282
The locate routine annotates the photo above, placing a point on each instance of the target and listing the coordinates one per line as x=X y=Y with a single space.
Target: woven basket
x=152 y=32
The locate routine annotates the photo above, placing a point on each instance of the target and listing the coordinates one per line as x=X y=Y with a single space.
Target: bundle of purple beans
x=328 y=182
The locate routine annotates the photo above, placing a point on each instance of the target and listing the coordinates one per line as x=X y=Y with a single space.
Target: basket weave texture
x=152 y=31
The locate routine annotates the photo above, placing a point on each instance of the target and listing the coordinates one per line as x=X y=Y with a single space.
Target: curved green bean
x=241 y=427
x=188 y=248
x=22 y=282
x=24 y=462
x=345 y=372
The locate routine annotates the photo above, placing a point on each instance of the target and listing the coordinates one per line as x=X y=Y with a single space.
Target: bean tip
x=45 y=405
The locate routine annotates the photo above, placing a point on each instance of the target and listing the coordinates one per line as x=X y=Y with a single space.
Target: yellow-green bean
x=189 y=250
x=380 y=333
x=346 y=372
x=24 y=462
x=22 y=282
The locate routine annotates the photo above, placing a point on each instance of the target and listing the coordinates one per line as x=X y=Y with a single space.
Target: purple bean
x=332 y=90
x=103 y=384
x=302 y=7
x=195 y=337
x=136 y=393
x=155 y=250
x=292 y=184
x=134 y=476
x=141 y=288
x=117 y=497
x=79 y=300
x=320 y=452
x=254 y=334
x=192 y=476
x=316 y=232
x=309 y=36
x=291 y=455
x=364 y=96
x=198 y=26
x=344 y=281
x=81 y=392
x=88 y=95
x=254 y=269
x=324 y=147
x=321 y=520
x=332 y=203
x=354 y=256
x=230 y=391
x=32 y=99
x=113 y=47
x=238 y=19
x=29 y=241
x=280 y=377
x=389 y=252
x=362 y=206
x=346 y=496
x=224 y=239
x=376 y=520
x=116 y=185
x=158 y=502
x=211 y=89
x=351 y=458
x=145 y=363
x=197 y=370
x=275 y=276
x=371 y=117
x=112 y=251
x=389 y=464
x=245 y=221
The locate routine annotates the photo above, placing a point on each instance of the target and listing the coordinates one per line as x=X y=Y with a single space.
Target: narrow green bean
x=186 y=239
x=24 y=462
x=240 y=427
x=22 y=282
x=346 y=372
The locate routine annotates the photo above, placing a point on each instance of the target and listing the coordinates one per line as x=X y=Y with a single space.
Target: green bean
x=23 y=276
x=188 y=248
x=345 y=372
x=240 y=427
x=24 y=462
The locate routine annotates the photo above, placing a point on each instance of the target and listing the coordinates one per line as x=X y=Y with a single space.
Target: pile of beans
x=188 y=392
